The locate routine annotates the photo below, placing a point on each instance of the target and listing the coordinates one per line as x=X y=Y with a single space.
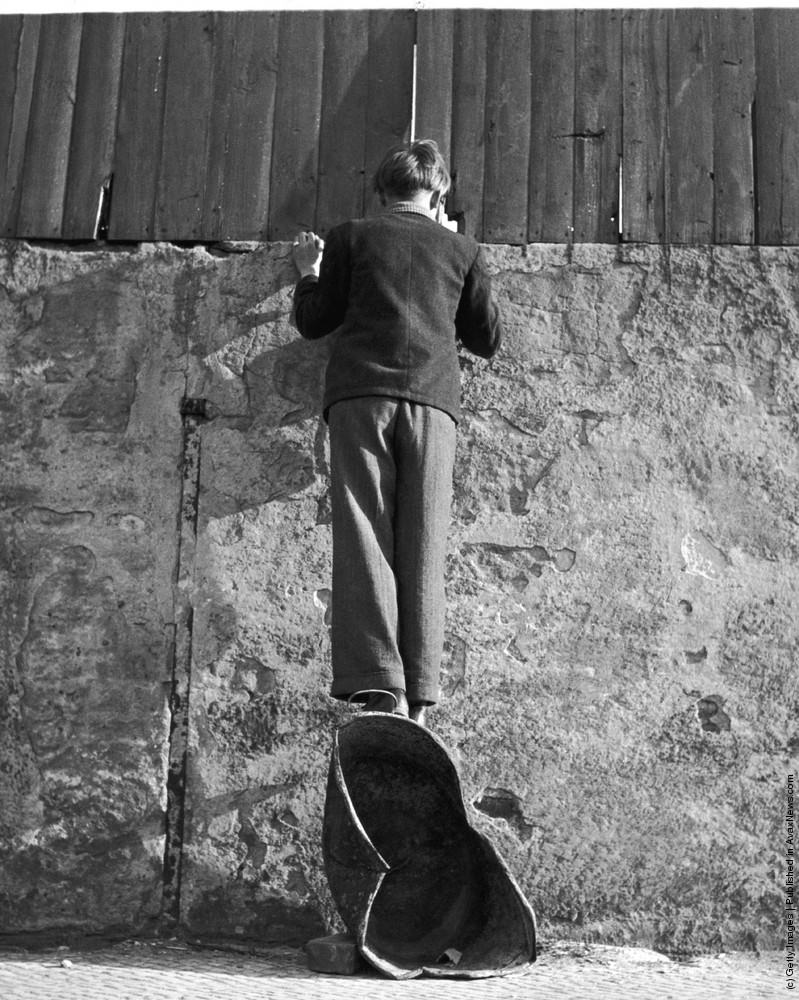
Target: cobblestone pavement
x=175 y=971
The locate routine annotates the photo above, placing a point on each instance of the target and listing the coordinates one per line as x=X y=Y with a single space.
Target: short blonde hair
x=417 y=166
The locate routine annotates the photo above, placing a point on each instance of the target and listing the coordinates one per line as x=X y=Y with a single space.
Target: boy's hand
x=307 y=253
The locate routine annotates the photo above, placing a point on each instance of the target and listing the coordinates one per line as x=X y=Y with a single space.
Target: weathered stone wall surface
x=91 y=365
x=620 y=683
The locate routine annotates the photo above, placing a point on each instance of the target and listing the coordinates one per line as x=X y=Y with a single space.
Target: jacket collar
x=411 y=208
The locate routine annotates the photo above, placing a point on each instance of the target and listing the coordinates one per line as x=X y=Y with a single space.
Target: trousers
x=391 y=465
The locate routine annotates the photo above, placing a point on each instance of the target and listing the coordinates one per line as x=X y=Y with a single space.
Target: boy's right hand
x=307 y=253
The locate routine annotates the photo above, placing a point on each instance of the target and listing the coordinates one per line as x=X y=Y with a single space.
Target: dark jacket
x=397 y=291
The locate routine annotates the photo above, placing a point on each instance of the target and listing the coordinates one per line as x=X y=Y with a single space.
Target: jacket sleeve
x=478 y=324
x=320 y=303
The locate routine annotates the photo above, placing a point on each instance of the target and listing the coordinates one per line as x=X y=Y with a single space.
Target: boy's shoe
x=417 y=713
x=392 y=701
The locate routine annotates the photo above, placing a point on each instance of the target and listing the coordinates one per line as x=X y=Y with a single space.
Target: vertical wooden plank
x=777 y=126
x=733 y=38
x=94 y=125
x=392 y=34
x=645 y=125
x=435 y=31
x=236 y=202
x=597 y=126
x=467 y=151
x=187 y=117
x=508 y=103
x=41 y=206
x=138 y=145
x=296 y=141
x=19 y=42
x=552 y=127
x=10 y=32
x=342 y=144
x=690 y=154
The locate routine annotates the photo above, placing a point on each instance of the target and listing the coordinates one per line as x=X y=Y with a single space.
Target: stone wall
x=619 y=680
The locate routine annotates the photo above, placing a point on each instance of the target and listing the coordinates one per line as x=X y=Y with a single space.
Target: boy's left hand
x=307 y=253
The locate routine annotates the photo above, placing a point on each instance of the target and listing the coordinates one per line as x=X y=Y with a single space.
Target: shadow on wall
x=277 y=455
x=361 y=53
x=260 y=717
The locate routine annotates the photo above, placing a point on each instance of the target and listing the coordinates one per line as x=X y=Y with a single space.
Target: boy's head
x=405 y=170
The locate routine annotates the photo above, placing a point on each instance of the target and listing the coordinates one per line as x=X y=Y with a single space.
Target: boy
x=397 y=291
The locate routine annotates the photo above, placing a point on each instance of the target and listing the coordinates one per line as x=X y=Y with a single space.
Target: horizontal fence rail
x=655 y=126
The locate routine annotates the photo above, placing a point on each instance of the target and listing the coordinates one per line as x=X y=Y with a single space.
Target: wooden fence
x=659 y=126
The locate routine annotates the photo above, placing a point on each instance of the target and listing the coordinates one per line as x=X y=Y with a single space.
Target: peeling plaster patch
x=702 y=558
x=499 y=803
x=256 y=847
x=711 y=716
x=519 y=500
x=323 y=599
x=127 y=522
x=47 y=517
x=455 y=663
x=253 y=676
x=520 y=582
x=218 y=368
x=589 y=421
x=516 y=564
x=564 y=559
